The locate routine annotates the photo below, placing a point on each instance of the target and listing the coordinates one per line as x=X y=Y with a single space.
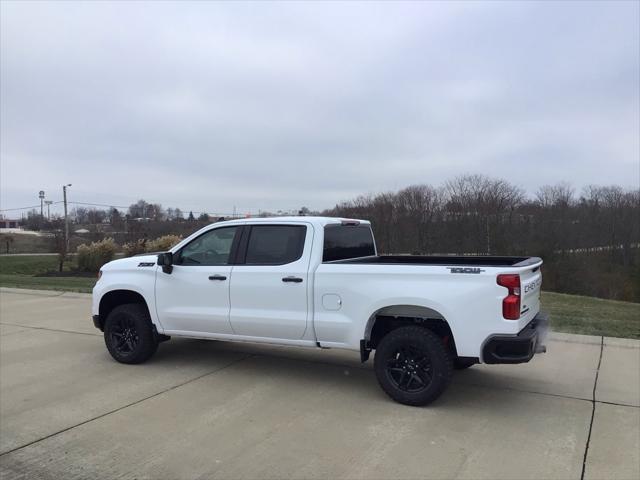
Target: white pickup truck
x=319 y=282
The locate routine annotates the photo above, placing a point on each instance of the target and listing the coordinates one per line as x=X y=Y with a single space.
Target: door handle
x=217 y=277
x=292 y=279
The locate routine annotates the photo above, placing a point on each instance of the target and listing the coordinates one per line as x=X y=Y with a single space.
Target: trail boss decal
x=465 y=269
x=146 y=264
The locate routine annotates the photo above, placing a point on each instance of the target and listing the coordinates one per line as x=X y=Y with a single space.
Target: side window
x=211 y=248
x=343 y=242
x=275 y=244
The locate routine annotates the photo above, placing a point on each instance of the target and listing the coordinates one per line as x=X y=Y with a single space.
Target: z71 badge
x=465 y=269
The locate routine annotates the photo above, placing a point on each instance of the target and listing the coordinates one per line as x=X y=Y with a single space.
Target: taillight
x=511 y=303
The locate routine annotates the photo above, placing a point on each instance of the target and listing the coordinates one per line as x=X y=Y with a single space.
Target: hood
x=131 y=262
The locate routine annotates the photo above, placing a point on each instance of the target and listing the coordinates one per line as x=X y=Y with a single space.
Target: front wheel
x=129 y=335
x=413 y=365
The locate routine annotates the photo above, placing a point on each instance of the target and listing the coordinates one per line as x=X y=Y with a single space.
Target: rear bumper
x=518 y=348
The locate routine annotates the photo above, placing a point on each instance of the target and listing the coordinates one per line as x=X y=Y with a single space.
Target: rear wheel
x=129 y=335
x=413 y=365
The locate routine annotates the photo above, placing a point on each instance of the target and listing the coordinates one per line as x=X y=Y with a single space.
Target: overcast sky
x=206 y=105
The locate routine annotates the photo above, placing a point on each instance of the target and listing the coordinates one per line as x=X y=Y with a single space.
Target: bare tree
x=559 y=195
x=482 y=207
x=60 y=244
x=81 y=215
x=417 y=207
x=96 y=217
x=138 y=209
x=8 y=241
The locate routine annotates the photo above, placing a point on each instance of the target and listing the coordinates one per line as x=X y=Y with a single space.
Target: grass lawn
x=25 y=243
x=30 y=264
x=592 y=316
x=69 y=284
x=19 y=272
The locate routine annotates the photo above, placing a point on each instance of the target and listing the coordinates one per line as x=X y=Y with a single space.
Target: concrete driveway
x=202 y=409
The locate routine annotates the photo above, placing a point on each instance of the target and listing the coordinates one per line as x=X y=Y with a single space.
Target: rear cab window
x=342 y=242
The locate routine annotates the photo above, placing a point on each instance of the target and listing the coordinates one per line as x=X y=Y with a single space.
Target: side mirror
x=165 y=260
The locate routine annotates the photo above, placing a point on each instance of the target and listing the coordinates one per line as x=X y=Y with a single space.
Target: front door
x=269 y=282
x=194 y=297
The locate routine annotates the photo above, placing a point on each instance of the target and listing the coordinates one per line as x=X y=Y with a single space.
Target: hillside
x=592 y=316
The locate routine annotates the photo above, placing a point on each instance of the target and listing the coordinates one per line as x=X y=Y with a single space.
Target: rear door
x=269 y=281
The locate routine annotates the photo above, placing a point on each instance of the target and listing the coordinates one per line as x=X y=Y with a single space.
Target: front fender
x=140 y=281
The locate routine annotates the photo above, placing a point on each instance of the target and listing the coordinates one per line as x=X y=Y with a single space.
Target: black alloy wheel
x=413 y=365
x=409 y=369
x=124 y=335
x=129 y=334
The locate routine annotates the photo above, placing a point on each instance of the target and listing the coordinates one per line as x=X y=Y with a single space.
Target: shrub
x=134 y=248
x=91 y=257
x=162 y=244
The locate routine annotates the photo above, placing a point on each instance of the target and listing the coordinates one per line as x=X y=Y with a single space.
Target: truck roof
x=316 y=221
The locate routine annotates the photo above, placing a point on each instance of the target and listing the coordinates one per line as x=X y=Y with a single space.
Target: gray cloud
x=277 y=105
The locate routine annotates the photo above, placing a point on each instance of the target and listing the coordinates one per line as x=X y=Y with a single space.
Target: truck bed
x=466 y=260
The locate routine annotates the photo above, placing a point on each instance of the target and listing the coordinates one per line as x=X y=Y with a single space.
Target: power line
x=98 y=205
x=22 y=208
x=174 y=208
x=104 y=205
x=126 y=207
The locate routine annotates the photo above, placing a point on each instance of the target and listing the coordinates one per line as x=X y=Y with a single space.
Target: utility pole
x=48 y=203
x=66 y=217
x=41 y=196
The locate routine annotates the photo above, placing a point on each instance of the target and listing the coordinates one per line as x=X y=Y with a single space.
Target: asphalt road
x=202 y=409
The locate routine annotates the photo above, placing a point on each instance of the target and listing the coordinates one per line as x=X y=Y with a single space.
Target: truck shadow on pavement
x=301 y=370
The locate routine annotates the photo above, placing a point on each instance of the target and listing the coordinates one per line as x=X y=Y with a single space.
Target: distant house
x=8 y=223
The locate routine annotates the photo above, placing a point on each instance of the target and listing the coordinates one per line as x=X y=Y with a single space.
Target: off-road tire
x=129 y=334
x=418 y=353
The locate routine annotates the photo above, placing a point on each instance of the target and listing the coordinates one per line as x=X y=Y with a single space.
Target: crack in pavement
x=173 y=387
x=11 y=333
x=50 y=293
x=617 y=404
x=593 y=411
x=247 y=356
x=50 y=329
x=358 y=367
x=560 y=395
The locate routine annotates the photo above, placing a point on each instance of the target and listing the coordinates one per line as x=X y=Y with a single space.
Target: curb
x=44 y=293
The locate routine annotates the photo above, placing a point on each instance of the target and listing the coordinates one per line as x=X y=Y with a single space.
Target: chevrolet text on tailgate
x=319 y=282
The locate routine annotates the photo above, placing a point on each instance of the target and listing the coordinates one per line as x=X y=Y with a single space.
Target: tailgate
x=530 y=287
